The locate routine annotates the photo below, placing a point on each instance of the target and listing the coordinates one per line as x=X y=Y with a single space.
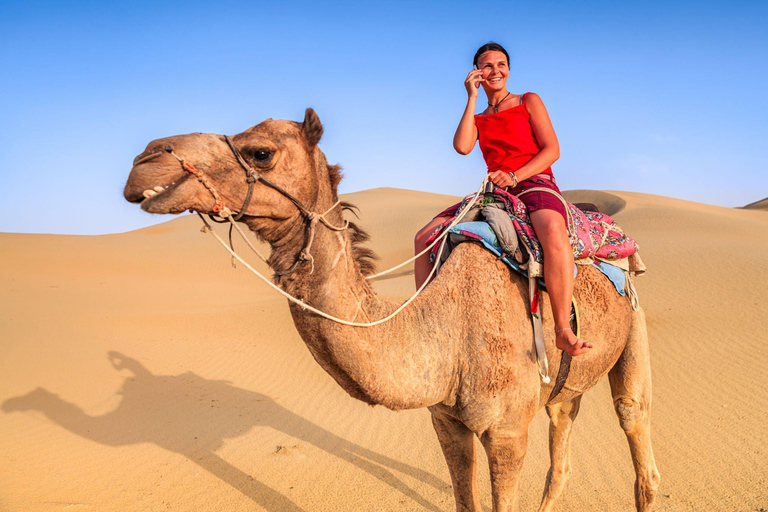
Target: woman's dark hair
x=490 y=47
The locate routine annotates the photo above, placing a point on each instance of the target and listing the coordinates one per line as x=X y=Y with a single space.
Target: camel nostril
x=168 y=149
x=145 y=158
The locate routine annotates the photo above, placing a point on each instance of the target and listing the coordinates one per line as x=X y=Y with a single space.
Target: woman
x=519 y=146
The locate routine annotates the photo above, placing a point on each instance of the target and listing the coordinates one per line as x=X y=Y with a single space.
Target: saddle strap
x=565 y=360
x=538 y=330
x=562 y=375
x=538 y=338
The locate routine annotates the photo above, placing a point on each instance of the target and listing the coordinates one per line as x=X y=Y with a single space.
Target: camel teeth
x=159 y=189
x=149 y=193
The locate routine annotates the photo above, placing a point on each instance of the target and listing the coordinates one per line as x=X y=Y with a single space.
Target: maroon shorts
x=532 y=200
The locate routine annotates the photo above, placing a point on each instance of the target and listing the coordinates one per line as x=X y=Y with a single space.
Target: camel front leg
x=458 y=444
x=506 y=449
x=630 y=382
x=561 y=417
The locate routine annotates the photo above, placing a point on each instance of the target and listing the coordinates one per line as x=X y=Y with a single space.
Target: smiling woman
x=519 y=146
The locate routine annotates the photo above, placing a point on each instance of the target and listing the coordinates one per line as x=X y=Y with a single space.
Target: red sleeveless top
x=507 y=139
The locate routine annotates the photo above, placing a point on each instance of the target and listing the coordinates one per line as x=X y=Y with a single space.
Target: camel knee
x=629 y=410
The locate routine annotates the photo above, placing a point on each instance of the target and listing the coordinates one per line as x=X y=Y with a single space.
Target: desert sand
x=140 y=371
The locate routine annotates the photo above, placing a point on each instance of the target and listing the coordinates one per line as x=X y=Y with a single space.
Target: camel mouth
x=156 y=199
x=155 y=191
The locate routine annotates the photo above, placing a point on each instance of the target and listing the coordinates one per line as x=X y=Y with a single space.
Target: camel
x=463 y=349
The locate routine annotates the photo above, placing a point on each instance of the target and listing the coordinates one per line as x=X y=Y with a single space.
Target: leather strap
x=565 y=358
x=562 y=375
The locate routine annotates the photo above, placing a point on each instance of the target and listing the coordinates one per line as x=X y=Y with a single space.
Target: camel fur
x=463 y=348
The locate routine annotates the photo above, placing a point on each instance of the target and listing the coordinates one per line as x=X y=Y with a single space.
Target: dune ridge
x=140 y=371
x=758 y=205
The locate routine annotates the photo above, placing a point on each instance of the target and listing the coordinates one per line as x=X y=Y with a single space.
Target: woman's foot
x=566 y=340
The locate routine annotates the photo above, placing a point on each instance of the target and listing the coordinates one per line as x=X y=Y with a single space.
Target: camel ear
x=311 y=128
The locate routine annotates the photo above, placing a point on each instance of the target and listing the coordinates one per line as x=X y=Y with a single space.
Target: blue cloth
x=615 y=274
x=482 y=232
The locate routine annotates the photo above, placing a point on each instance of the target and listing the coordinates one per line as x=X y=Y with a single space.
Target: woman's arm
x=545 y=135
x=466 y=134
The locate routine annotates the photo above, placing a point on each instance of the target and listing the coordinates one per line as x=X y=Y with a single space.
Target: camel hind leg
x=630 y=382
x=458 y=444
x=561 y=418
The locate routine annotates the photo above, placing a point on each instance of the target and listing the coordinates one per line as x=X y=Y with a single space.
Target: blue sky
x=661 y=97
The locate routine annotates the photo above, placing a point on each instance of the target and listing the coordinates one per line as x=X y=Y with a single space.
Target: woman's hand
x=501 y=179
x=472 y=83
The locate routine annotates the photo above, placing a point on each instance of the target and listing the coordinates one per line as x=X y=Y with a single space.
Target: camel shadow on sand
x=192 y=416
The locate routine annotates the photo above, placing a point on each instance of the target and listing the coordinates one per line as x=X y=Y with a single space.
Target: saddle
x=594 y=236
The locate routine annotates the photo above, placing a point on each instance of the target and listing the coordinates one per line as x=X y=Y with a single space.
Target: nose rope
x=201 y=177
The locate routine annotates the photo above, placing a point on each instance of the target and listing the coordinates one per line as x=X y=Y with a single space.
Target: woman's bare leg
x=558 y=276
x=422 y=266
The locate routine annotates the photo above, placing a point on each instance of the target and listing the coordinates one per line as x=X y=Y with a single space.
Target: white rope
x=571 y=228
x=442 y=235
x=299 y=302
x=327 y=224
x=227 y=214
x=571 y=223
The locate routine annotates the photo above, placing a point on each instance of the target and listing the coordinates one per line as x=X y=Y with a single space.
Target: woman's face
x=495 y=70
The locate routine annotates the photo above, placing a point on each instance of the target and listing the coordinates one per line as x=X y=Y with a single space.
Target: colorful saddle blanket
x=592 y=234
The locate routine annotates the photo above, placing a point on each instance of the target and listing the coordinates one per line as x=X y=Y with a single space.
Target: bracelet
x=558 y=331
x=514 y=179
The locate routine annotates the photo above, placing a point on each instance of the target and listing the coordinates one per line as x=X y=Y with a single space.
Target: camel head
x=284 y=152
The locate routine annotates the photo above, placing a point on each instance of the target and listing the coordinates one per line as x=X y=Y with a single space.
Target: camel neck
x=396 y=364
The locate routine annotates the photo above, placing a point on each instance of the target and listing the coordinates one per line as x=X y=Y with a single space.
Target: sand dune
x=140 y=371
x=758 y=205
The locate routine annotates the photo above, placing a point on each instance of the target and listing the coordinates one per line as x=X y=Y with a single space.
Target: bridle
x=251 y=177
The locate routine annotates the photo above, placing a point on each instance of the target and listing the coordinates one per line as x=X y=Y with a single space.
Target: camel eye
x=261 y=156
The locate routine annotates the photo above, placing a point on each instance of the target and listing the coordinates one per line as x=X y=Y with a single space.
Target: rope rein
x=305 y=255
x=335 y=228
x=321 y=217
